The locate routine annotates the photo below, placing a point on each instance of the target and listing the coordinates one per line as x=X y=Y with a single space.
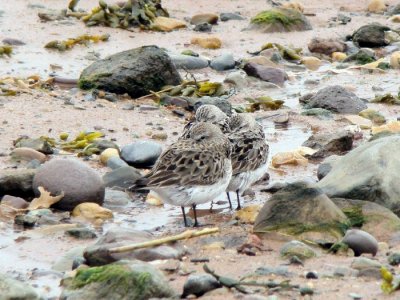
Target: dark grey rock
x=116 y=237
x=223 y=62
x=188 y=62
x=323 y=170
x=79 y=182
x=394 y=259
x=362 y=56
x=141 y=154
x=273 y=75
x=13 y=42
x=26 y=221
x=368 y=172
x=230 y=16
x=17 y=182
x=312 y=275
x=337 y=99
x=135 y=280
x=136 y=72
x=199 y=284
x=360 y=242
x=330 y=143
x=116 y=162
x=326 y=46
x=14 y=289
x=372 y=35
x=203 y=27
x=123 y=177
x=81 y=233
x=394 y=10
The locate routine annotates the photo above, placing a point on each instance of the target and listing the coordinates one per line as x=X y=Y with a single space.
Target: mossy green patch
x=355 y=216
x=335 y=228
x=276 y=16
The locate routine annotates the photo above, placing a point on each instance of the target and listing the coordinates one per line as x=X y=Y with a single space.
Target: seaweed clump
x=273 y=16
x=80 y=40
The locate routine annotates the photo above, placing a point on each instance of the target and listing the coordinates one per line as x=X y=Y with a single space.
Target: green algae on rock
x=280 y=20
x=119 y=281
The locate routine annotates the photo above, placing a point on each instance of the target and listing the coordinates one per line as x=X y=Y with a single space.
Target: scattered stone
x=311 y=63
x=145 y=107
x=280 y=20
x=167 y=24
x=230 y=16
x=248 y=214
x=122 y=177
x=203 y=27
x=27 y=221
x=208 y=42
x=114 y=199
x=360 y=242
x=118 y=236
x=274 y=75
x=39 y=144
x=223 y=62
x=339 y=56
x=120 y=280
x=362 y=56
x=92 y=212
x=27 y=154
x=116 y=162
x=395 y=60
x=107 y=154
x=394 y=259
x=349 y=178
x=326 y=46
x=204 y=18
x=141 y=154
x=13 y=42
x=301 y=209
x=279 y=271
x=318 y=112
x=189 y=62
x=306 y=291
x=376 y=6
x=199 y=284
x=15 y=289
x=355 y=296
x=136 y=72
x=337 y=99
x=362 y=263
x=372 y=35
x=81 y=233
x=76 y=180
x=17 y=182
x=330 y=143
x=294 y=260
x=16 y=202
x=297 y=248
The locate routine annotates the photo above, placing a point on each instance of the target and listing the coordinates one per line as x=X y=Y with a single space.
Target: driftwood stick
x=185 y=235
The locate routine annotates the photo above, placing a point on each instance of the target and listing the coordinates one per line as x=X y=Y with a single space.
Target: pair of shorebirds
x=215 y=154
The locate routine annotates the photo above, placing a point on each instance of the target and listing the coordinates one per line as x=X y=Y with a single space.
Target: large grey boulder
x=125 y=280
x=369 y=172
x=136 y=72
x=79 y=182
x=298 y=209
x=336 y=99
x=372 y=35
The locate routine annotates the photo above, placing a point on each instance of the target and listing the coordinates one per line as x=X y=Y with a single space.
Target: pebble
x=141 y=153
x=144 y=107
x=394 y=259
x=116 y=198
x=223 y=62
x=312 y=275
x=81 y=233
x=115 y=162
x=204 y=18
x=298 y=249
x=188 y=62
x=107 y=154
x=121 y=177
x=230 y=16
x=199 y=284
x=203 y=27
x=26 y=220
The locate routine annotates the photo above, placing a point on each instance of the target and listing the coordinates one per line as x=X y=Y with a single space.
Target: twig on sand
x=185 y=235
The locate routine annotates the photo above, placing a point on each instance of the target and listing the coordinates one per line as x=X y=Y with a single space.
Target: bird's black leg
x=238 y=200
x=211 y=206
x=184 y=216
x=196 y=224
x=229 y=199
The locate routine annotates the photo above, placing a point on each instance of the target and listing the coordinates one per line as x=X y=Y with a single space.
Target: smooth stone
x=17 y=182
x=362 y=263
x=204 y=18
x=199 y=284
x=81 y=233
x=230 y=16
x=27 y=221
x=76 y=180
x=237 y=78
x=328 y=144
x=394 y=259
x=122 y=177
x=115 y=198
x=297 y=248
x=141 y=153
x=115 y=162
x=207 y=42
x=360 y=242
x=92 y=212
x=311 y=63
x=273 y=75
x=40 y=145
x=16 y=202
x=223 y=62
x=203 y=27
x=107 y=154
x=27 y=154
x=326 y=46
x=167 y=24
x=371 y=35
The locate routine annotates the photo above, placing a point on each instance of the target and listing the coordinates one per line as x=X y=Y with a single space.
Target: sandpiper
x=249 y=153
x=208 y=113
x=193 y=170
